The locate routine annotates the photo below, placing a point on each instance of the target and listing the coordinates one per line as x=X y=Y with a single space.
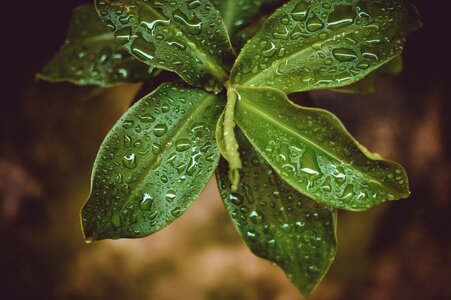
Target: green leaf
x=90 y=55
x=186 y=37
x=279 y=224
x=244 y=35
x=153 y=164
x=236 y=13
x=314 y=153
x=368 y=84
x=307 y=45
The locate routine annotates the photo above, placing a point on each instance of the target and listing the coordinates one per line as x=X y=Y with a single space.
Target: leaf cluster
x=285 y=169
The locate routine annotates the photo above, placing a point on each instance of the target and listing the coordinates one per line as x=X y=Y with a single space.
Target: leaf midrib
x=308 y=47
x=171 y=137
x=308 y=141
x=210 y=61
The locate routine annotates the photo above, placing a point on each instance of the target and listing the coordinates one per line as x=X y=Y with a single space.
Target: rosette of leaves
x=285 y=169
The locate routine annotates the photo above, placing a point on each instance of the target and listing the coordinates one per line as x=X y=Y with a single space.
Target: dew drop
x=160 y=129
x=182 y=145
x=129 y=161
x=170 y=196
x=342 y=16
x=116 y=220
x=314 y=23
x=344 y=54
x=300 y=11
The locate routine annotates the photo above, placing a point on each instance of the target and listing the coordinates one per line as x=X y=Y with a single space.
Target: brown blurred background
x=50 y=135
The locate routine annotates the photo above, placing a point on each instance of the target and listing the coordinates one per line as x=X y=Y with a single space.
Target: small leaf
x=236 y=13
x=368 y=84
x=153 y=164
x=314 y=153
x=186 y=37
x=91 y=55
x=308 y=45
x=277 y=223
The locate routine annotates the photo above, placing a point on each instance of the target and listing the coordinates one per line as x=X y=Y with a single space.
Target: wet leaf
x=153 y=164
x=278 y=223
x=314 y=153
x=244 y=35
x=186 y=37
x=368 y=84
x=308 y=45
x=90 y=55
x=236 y=13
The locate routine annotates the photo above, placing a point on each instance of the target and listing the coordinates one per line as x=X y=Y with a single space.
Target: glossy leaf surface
x=90 y=55
x=307 y=45
x=186 y=37
x=244 y=35
x=278 y=223
x=368 y=84
x=314 y=153
x=153 y=164
x=236 y=13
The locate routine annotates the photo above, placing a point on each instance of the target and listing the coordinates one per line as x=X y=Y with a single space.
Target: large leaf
x=236 y=13
x=90 y=55
x=187 y=37
x=277 y=223
x=308 y=45
x=314 y=153
x=153 y=164
x=368 y=84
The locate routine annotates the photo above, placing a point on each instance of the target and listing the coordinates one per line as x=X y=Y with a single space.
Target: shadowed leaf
x=153 y=164
x=314 y=153
x=90 y=55
x=278 y=223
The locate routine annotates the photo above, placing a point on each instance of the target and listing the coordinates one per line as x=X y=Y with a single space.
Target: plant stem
x=231 y=144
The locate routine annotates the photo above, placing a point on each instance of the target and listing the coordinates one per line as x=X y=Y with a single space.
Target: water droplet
x=176 y=212
x=129 y=161
x=123 y=35
x=314 y=23
x=193 y=27
x=344 y=55
x=146 y=201
x=170 y=196
x=182 y=145
x=300 y=11
x=143 y=49
x=116 y=220
x=342 y=16
x=160 y=130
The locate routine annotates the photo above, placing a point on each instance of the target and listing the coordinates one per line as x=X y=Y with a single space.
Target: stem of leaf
x=231 y=144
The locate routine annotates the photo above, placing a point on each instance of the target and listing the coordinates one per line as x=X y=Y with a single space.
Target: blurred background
x=50 y=134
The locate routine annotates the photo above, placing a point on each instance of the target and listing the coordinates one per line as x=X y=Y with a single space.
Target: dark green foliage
x=287 y=168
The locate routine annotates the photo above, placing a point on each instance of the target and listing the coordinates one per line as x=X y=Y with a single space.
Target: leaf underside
x=308 y=45
x=153 y=164
x=90 y=55
x=278 y=223
x=313 y=152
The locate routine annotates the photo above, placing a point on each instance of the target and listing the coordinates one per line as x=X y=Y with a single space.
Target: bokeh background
x=50 y=134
